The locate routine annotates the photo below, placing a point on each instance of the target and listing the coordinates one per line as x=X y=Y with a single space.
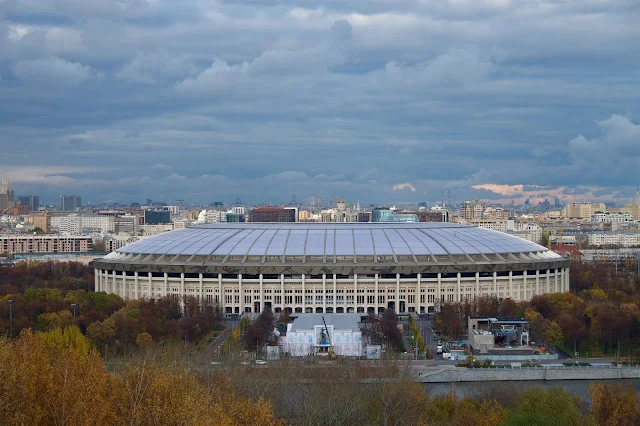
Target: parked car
x=261 y=361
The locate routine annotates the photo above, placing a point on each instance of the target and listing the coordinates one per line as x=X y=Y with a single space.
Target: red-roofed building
x=567 y=251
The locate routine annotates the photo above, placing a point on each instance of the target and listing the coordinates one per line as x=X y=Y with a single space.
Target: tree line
x=57 y=377
x=598 y=316
x=60 y=296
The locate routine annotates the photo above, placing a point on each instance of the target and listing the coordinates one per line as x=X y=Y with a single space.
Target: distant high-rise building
x=385 y=214
x=69 y=202
x=472 y=209
x=149 y=202
x=557 y=202
x=274 y=214
x=157 y=217
x=636 y=198
x=31 y=200
x=6 y=195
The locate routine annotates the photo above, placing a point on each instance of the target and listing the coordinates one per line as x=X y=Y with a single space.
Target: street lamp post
x=10 y=318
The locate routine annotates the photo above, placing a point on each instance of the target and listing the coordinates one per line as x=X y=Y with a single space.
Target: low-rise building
x=307 y=335
x=608 y=217
x=149 y=230
x=24 y=243
x=623 y=239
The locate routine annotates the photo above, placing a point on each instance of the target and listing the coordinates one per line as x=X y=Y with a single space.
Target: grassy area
x=573 y=364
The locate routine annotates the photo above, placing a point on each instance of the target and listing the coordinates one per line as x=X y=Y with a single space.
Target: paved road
x=427 y=335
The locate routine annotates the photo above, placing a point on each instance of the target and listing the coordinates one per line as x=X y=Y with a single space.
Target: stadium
x=332 y=267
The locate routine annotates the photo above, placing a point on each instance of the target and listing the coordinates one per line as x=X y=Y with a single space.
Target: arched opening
x=318 y=310
x=381 y=309
x=298 y=310
x=349 y=310
x=431 y=309
x=289 y=310
x=371 y=310
x=308 y=310
x=228 y=310
x=360 y=309
x=339 y=310
x=329 y=310
x=277 y=310
x=391 y=305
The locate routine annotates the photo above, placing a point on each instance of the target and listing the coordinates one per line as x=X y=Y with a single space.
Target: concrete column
x=524 y=285
x=222 y=301
x=537 y=282
x=149 y=277
x=96 y=280
x=439 y=290
x=304 y=296
x=418 y=294
x=355 y=293
x=200 y=277
x=166 y=284
x=114 y=285
x=335 y=294
x=495 y=283
x=261 y=294
x=566 y=280
x=282 y=291
x=136 y=286
x=511 y=284
x=125 y=294
x=397 y=304
x=324 y=293
x=376 y=306
x=477 y=294
x=555 y=281
x=459 y=287
x=241 y=298
x=548 y=281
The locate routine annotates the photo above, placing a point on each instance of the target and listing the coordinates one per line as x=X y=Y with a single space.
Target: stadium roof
x=333 y=239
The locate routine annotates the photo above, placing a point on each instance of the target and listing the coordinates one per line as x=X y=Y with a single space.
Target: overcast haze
x=381 y=101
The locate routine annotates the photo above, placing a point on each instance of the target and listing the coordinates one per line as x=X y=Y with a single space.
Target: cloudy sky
x=379 y=100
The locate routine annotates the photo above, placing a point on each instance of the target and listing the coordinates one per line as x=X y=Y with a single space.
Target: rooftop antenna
x=449 y=196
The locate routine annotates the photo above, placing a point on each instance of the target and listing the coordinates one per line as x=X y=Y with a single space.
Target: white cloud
x=54 y=70
x=157 y=67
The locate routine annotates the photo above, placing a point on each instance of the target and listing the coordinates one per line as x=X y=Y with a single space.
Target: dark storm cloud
x=377 y=101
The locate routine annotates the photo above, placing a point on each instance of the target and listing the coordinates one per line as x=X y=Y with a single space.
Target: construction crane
x=332 y=353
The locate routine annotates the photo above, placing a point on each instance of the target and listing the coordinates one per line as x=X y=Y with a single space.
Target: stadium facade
x=332 y=267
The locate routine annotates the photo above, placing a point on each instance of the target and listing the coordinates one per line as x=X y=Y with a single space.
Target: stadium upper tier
x=333 y=243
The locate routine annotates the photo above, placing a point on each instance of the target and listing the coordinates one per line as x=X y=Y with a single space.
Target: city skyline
x=383 y=102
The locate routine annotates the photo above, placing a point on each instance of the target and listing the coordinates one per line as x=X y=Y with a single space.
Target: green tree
x=547 y=407
x=553 y=333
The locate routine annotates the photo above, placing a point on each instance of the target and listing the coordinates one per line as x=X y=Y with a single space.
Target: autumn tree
x=614 y=405
x=260 y=331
